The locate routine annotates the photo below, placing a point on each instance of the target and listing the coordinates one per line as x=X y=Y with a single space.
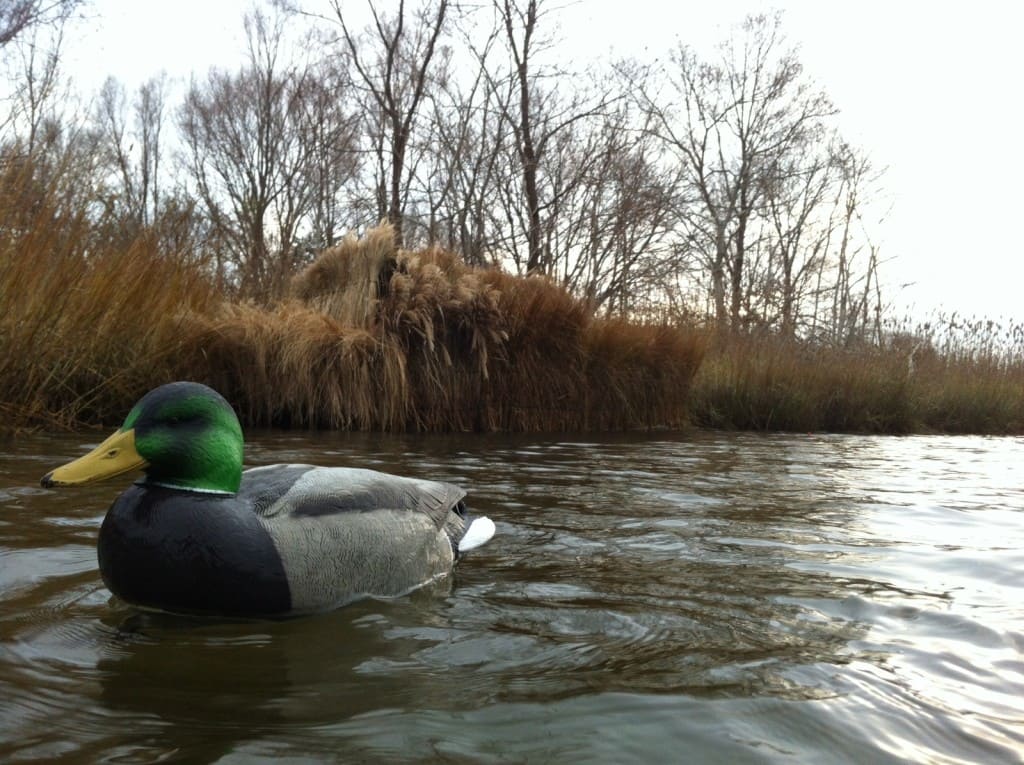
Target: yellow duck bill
x=113 y=457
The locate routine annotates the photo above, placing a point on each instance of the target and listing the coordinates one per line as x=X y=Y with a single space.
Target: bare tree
x=19 y=16
x=53 y=158
x=856 y=282
x=458 y=169
x=625 y=217
x=549 y=114
x=31 y=39
x=134 y=150
x=801 y=228
x=542 y=121
x=463 y=152
x=35 y=102
x=246 y=156
x=329 y=131
x=521 y=48
x=732 y=128
x=394 y=61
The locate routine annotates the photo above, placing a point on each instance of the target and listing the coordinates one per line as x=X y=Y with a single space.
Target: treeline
x=709 y=186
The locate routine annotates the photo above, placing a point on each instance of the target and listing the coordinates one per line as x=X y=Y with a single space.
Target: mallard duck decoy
x=198 y=534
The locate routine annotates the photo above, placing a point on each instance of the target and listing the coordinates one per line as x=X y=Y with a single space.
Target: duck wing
x=347 y=533
x=308 y=491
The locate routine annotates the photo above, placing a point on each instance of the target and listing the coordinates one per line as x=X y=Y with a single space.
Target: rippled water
x=705 y=598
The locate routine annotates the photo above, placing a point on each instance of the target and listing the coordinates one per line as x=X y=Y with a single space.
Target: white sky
x=932 y=91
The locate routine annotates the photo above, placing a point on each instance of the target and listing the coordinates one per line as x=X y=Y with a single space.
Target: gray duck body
x=294 y=539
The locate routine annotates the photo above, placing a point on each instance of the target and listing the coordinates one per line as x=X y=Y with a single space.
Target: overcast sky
x=932 y=91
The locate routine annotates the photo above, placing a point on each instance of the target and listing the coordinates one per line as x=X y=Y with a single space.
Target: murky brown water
x=701 y=598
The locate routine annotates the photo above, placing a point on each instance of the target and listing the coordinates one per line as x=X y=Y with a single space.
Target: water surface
x=700 y=597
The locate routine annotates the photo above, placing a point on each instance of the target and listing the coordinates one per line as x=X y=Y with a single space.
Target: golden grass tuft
x=345 y=281
x=296 y=366
x=522 y=354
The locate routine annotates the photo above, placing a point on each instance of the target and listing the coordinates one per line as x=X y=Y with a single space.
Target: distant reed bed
x=966 y=374
x=945 y=376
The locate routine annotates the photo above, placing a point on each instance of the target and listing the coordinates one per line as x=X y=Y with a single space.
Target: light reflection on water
x=721 y=597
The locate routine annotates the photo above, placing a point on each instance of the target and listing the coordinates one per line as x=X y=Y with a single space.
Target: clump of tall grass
x=640 y=372
x=89 y=318
x=292 y=365
x=514 y=353
x=381 y=338
x=503 y=352
x=345 y=281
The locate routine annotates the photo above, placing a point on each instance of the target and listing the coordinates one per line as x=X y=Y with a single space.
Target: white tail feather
x=479 y=531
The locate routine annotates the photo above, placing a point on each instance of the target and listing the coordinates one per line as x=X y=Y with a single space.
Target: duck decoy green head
x=184 y=435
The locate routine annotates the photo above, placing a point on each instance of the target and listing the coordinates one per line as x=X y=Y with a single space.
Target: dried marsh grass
x=920 y=381
x=88 y=319
x=641 y=372
x=377 y=338
x=759 y=383
x=967 y=374
x=346 y=281
x=514 y=353
x=372 y=338
x=294 y=365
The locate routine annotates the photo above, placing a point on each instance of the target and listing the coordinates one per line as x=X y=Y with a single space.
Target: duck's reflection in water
x=196 y=689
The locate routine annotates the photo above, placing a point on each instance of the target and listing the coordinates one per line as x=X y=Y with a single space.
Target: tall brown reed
x=967 y=373
x=87 y=319
x=768 y=383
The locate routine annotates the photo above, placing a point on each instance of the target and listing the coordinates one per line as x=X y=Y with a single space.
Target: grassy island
x=374 y=337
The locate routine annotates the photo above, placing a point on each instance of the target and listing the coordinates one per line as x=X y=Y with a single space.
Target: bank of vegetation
x=368 y=337
x=638 y=244
x=951 y=375
x=373 y=337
